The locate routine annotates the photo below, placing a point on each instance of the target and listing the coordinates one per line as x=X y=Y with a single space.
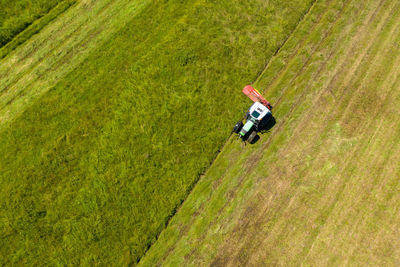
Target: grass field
x=109 y=114
x=16 y=15
x=321 y=189
x=35 y=27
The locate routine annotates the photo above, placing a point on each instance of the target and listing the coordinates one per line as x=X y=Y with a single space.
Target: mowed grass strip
x=300 y=153
x=93 y=167
x=45 y=59
x=17 y=15
x=35 y=27
x=320 y=189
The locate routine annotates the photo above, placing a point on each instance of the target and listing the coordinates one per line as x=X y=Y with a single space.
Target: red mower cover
x=254 y=95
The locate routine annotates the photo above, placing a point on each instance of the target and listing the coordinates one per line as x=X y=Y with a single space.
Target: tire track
x=366 y=126
x=375 y=12
x=247 y=245
x=341 y=70
x=299 y=46
x=254 y=161
x=352 y=155
x=289 y=145
x=326 y=33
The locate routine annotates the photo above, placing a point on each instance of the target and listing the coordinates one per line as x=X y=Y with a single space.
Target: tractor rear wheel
x=252 y=137
x=238 y=127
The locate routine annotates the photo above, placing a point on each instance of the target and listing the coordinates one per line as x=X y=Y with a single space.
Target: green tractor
x=258 y=115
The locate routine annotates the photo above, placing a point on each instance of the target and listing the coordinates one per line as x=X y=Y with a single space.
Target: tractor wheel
x=238 y=127
x=252 y=137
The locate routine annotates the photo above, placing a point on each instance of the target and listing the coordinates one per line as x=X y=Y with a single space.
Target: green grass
x=319 y=188
x=109 y=123
x=17 y=15
x=34 y=27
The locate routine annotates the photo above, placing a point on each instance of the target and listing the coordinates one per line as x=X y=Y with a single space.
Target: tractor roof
x=258 y=111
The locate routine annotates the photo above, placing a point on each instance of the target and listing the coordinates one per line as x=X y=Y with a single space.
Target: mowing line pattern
x=320 y=188
x=30 y=71
x=101 y=109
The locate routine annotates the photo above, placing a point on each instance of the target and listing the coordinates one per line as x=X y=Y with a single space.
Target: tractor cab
x=257 y=112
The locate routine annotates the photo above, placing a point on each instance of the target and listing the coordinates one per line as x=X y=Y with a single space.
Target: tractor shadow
x=264 y=127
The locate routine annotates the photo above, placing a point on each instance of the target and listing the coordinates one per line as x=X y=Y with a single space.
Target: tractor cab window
x=255 y=114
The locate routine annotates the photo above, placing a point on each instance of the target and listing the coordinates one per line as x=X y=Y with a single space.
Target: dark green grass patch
x=15 y=16
x=92 y=171
x=12 y=39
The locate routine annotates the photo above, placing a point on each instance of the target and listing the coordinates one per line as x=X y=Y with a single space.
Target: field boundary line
x=33 y=67
x=303 y=18
x=35 y=27
x=294 y=105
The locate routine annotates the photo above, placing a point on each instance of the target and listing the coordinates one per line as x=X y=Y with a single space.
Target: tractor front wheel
x=238 y=127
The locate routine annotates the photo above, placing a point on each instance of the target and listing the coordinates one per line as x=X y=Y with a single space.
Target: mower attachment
x=254 y=95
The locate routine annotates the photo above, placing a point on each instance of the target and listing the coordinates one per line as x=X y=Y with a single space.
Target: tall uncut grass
x=92 y=171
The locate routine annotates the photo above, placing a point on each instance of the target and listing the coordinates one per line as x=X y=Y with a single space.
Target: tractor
x=256 y=118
